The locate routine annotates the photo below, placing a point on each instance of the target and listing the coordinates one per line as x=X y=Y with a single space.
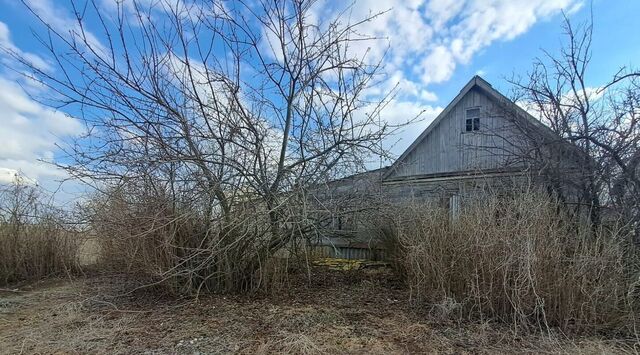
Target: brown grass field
x=354 y=312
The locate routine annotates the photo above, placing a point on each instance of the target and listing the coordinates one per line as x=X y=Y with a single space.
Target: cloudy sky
x=435 y=47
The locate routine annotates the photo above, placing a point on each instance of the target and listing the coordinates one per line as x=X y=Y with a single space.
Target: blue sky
x=436 y=46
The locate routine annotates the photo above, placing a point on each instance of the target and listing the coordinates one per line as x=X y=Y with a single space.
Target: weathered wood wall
x=449 y=165
x=449 y=148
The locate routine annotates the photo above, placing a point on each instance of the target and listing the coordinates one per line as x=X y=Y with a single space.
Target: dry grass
x=339 y=312
x=520 y=261
x=34 y=242
x=36 y=251
x=177 y=247
x=475 y=284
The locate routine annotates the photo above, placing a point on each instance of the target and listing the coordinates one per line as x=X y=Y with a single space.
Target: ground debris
x=349 y=264
x=357 y=311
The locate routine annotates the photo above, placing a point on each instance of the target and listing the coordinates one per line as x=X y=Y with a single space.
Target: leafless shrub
x=166 y=243
x=34 y=242
x=518 y=259
x=602 y=123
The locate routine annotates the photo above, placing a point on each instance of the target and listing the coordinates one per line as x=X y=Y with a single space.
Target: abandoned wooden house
x=481 y=139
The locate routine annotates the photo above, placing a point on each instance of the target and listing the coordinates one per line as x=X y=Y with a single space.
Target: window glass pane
x=476 y=123
x=469 y=125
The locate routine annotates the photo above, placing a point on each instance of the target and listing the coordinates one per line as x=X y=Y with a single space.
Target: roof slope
x=476 y=84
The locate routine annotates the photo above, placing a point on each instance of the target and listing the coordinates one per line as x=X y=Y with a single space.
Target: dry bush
x=518 y=259
x=172 y=245
x=34 y=242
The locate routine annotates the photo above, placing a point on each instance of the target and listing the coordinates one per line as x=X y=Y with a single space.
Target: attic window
x=472 y=122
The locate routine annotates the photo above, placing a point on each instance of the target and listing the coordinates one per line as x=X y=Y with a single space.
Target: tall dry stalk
x=519 y=259
x=171 y=244
x=34 y=242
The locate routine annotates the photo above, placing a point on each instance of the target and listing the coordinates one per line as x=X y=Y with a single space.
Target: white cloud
x=7 y=45
x=438 y=66
x=61 y=21
x=478 y=24
x=426 y=40
x=569 y=101
x=29 y=133
x=29 y=130
x=11 y=176
x=427 y=95
x=441 y=12
x=590 y=93
x=431 y=38
x=8 y=175
x=399 y=112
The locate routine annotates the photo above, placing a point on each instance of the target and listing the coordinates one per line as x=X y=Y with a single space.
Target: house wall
x=367 y=193
x=440 y=190
x=449 y=148
x=450 y=165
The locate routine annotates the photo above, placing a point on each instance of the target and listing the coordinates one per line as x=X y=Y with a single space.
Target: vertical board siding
x=351 y=253
x=448 y=148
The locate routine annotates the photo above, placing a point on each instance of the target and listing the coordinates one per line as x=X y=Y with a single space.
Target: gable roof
x=495 y=95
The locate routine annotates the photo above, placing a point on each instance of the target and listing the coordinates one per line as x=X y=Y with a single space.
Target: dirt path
x=338 y=313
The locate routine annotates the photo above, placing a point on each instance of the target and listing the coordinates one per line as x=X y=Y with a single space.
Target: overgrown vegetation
x=34 y=242
x=601 y=124
x=521 y=260
x=205 y=132
x=173 y=245
x=207 y=164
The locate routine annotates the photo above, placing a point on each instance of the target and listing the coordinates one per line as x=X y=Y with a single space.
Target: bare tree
x=601 y=122
x=226 y=108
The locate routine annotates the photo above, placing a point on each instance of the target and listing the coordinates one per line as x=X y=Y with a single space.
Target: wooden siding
x=440 y=190
x=449 y=148
x=351 y=253
x=447 y=165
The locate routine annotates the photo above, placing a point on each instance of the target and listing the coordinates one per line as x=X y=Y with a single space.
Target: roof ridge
x=501 y=99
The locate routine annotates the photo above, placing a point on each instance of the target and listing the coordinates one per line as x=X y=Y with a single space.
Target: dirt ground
x=339 y=312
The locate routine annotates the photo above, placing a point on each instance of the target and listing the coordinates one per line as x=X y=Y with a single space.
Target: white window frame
x=472 y=122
